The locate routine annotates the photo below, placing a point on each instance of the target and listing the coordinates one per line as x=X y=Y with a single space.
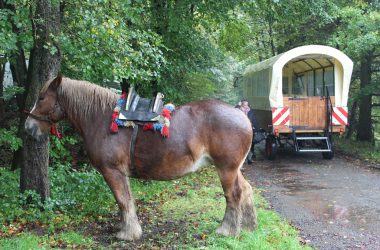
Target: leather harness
x=46 y=118
x=132 y=147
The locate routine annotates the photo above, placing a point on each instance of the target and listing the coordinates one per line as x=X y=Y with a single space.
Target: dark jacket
x=252 y=118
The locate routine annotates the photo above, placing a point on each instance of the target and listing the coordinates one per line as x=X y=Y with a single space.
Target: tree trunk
x=2 y=103
x=364 y=127
x=353 y=120
x=271 y=38
x=42 y=66
x=19 y=75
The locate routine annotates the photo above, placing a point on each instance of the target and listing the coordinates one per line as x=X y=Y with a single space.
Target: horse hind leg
x=240 y=212
x=118 y=182
x=232 y=193
x=249 y=217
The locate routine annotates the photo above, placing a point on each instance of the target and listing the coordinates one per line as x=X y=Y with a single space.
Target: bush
x=74 y=195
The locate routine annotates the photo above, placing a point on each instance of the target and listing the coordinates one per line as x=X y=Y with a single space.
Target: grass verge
x=363 y=150
x=181 y=214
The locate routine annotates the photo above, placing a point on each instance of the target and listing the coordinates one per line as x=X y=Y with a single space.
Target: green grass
x=69 y=239
x=181 y=214
x=363 y=150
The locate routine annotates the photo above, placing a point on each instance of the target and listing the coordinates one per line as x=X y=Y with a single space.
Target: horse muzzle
x=33 y=129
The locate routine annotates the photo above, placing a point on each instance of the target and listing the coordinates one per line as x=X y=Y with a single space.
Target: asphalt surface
x=334 y=203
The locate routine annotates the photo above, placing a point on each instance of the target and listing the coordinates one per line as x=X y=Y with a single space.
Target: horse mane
x=85 y=98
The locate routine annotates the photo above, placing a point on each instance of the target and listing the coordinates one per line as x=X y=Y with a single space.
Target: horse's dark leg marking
x=249 y=219
x=118 y=182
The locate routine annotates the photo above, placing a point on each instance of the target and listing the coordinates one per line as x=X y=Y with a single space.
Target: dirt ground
x=334 y=203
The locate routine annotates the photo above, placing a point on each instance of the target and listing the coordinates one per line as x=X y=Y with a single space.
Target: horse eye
x=41 y=98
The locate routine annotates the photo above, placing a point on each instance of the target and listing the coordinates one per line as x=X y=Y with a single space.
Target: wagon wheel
x=329 y=155
x=270 y=147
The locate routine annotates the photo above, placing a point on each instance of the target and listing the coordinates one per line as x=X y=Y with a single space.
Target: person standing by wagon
x=252 y=118
x=245 y=107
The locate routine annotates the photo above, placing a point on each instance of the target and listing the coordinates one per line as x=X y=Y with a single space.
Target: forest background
x=189 y=50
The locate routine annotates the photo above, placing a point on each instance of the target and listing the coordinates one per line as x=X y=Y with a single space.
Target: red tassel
x=55 y=131
x=123 y=95
x=148 y=126
x=114 y=128
x=166 y=113
x=114 y=115
x=165 y=132
x=59 y=135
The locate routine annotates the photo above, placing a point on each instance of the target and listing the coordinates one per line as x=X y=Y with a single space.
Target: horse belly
x=173 y=169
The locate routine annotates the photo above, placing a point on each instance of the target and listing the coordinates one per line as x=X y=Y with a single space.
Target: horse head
x=46 y=111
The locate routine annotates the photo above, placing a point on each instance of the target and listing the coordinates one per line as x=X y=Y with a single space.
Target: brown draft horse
x=201 y=133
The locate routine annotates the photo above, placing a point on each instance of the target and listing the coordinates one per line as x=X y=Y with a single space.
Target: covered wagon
x=300 y=97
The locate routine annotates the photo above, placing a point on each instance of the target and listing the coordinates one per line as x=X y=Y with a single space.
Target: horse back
x=200 y=132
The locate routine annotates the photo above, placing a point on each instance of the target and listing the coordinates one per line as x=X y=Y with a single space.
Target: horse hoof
x=251 y=227
x=227 y=232
x=129 y=235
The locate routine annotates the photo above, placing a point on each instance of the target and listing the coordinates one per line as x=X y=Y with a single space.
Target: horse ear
x=56 y=82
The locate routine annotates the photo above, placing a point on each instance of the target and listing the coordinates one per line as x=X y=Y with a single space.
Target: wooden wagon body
x=300 y=97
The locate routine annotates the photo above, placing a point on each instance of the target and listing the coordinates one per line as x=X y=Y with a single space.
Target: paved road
x=334 y=203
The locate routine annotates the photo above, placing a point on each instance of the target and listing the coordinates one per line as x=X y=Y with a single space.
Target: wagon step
x=315 y=150
x=312 y=138
x=300 y=147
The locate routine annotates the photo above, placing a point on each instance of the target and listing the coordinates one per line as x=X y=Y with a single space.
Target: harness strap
x=132 y=147
x=45 y=118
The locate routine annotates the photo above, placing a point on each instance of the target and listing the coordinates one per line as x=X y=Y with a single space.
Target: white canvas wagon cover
x=273 y=76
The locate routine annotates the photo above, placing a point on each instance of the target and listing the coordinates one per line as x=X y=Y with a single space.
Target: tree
x=2 y=107
x=187 y=29
x=106 y=41
x=16 y=40
x=359 y=37
x=45 y=60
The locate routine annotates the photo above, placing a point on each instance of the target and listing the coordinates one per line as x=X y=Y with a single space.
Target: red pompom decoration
x=148 y=126
x=114 y=115
x=166 y=113
x=165 y=132
x=114 y=128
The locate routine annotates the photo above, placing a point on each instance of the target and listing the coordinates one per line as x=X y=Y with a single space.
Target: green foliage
x=235 y=36
x=101 y=42
x=358 y=34
x=58 y=151
x=9 y=138
x=7 y=38
x=11 y=91
x=183 y=214
x=15 y=31
x=69 y=239
x=364 y=150
x=73 y=196
x=26 y=241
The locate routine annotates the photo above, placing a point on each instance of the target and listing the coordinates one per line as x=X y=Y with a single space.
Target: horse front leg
x=118 y=182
